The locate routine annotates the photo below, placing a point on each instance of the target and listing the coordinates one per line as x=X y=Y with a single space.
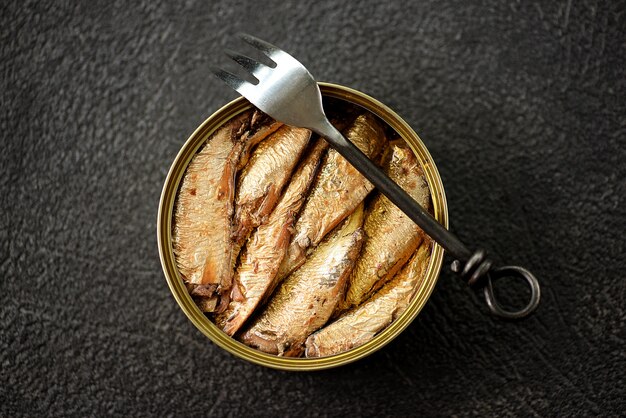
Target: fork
x=286 y=91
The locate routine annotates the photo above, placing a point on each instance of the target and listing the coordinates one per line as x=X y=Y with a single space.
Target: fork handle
x=474 y=267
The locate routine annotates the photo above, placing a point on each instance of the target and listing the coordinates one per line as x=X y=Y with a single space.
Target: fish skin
x=391 y=236
x=307 y=298
x=203 y=212
x=362 y=323
x=261 y=126
x=207 y=304
x=265 y=249
x=338 y=189
x=262 y=179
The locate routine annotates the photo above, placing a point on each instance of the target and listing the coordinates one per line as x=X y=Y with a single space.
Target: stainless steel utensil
x=287 y=92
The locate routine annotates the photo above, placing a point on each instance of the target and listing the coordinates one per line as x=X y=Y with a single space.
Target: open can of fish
x=165 y=225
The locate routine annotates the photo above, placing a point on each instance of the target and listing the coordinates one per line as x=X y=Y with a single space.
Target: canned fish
x=316 y=358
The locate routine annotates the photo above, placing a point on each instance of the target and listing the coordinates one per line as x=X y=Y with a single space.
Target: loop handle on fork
x=478 y=271
x=517 y=272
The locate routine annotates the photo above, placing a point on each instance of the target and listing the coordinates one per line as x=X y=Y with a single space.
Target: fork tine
x=259 y=44
x=232 y=80
x=248 y=63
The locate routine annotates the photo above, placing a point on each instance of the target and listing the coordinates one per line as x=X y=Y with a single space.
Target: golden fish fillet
x=361 y=324
x=265 y=249
x=338 y=189
x=391 y=236
x=262 y=179
x=307 y=298
x=204 y=208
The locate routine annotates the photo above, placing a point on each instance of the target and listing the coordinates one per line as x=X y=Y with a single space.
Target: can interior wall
x=164 y=236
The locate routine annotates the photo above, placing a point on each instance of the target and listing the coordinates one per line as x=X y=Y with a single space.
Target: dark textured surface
x=522 y=105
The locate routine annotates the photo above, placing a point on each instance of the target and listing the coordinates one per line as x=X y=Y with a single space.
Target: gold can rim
x=208 y=328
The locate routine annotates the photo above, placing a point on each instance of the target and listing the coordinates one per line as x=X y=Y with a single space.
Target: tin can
x=175 y=282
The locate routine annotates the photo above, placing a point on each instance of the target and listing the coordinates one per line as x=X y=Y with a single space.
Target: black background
x=522 y=105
